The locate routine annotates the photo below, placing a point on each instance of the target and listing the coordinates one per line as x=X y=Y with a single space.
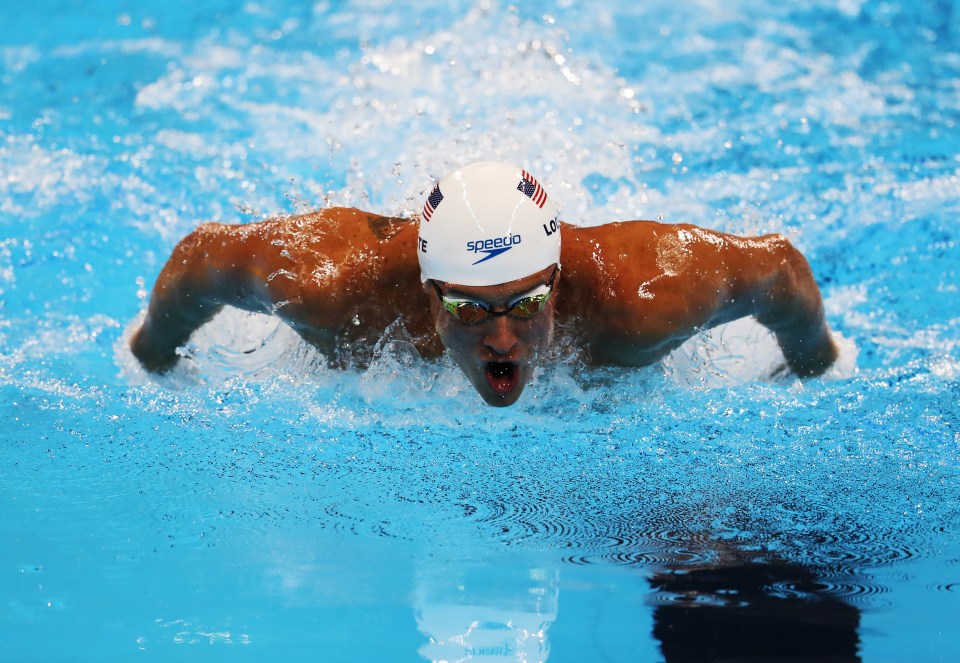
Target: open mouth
x=501 y=376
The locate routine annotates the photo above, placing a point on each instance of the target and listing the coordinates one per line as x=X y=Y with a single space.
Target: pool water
x=255 y=503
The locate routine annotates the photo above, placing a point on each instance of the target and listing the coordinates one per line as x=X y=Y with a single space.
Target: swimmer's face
x=498 y=353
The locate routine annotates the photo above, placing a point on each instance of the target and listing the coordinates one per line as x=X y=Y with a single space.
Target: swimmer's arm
x=769 y=279
x=791 y=307
x=215 y=265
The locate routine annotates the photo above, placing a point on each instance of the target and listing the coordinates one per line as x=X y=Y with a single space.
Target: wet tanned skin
x=636 y=290
x=338 y=277
x=631 y=292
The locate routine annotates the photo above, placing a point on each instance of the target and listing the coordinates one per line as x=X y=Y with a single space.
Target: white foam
x=946 y=368
x=743 y=351
x=37 y=179
x=17 y=58
x=934 y=189
x=234 y=343
x=845 y=365
x=736 y=353
x=487 y=86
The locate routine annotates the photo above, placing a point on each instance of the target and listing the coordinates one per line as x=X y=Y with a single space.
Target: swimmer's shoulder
x=637 y=228
x=345 y=221
x=601 y=262
x=585 y=244
x=333 y=229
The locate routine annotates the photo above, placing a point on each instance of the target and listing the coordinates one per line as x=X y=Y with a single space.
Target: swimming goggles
x=473 y=312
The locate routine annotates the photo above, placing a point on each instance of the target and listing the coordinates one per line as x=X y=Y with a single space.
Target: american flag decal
x=532 y=189
x=432 y=201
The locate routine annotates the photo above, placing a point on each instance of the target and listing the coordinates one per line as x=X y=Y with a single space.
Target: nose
x=500 y=337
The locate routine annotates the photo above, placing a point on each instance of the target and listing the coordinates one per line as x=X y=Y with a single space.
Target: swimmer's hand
x=794 y=312
x=808 y=354
x=154 y=359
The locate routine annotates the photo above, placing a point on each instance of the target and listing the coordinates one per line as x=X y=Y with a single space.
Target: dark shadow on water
x=751 y=610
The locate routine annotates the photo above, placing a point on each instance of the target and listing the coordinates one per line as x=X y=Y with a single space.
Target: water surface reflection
x=752 y=609
x=739 y=606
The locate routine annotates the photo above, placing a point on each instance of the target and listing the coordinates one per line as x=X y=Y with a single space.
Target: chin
x=501 y=383
x=501 y=400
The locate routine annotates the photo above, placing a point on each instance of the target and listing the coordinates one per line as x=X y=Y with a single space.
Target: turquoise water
x=256 y=503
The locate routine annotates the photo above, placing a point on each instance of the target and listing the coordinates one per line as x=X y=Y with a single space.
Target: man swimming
x=484 y=276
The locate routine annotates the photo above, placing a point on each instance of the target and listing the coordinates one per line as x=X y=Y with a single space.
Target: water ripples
x=852 y=590
x=396 y=492
x=588 y=501
x=878 y=550
x=643 y=558
x=528 y=523
x=833 y=565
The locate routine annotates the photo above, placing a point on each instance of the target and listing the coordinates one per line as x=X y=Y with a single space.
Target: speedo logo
x=493 y=247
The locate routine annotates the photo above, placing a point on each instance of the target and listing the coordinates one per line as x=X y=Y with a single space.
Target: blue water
x=259 y=504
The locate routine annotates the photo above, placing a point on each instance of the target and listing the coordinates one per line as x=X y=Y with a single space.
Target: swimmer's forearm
x=165 y=329
x=793 y=311
x=189 y=291
x=808 y=353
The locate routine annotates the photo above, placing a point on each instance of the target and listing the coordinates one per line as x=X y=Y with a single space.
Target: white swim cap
x=486 y=224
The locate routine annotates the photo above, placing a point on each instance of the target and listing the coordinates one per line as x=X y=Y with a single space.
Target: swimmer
x=483 y=275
